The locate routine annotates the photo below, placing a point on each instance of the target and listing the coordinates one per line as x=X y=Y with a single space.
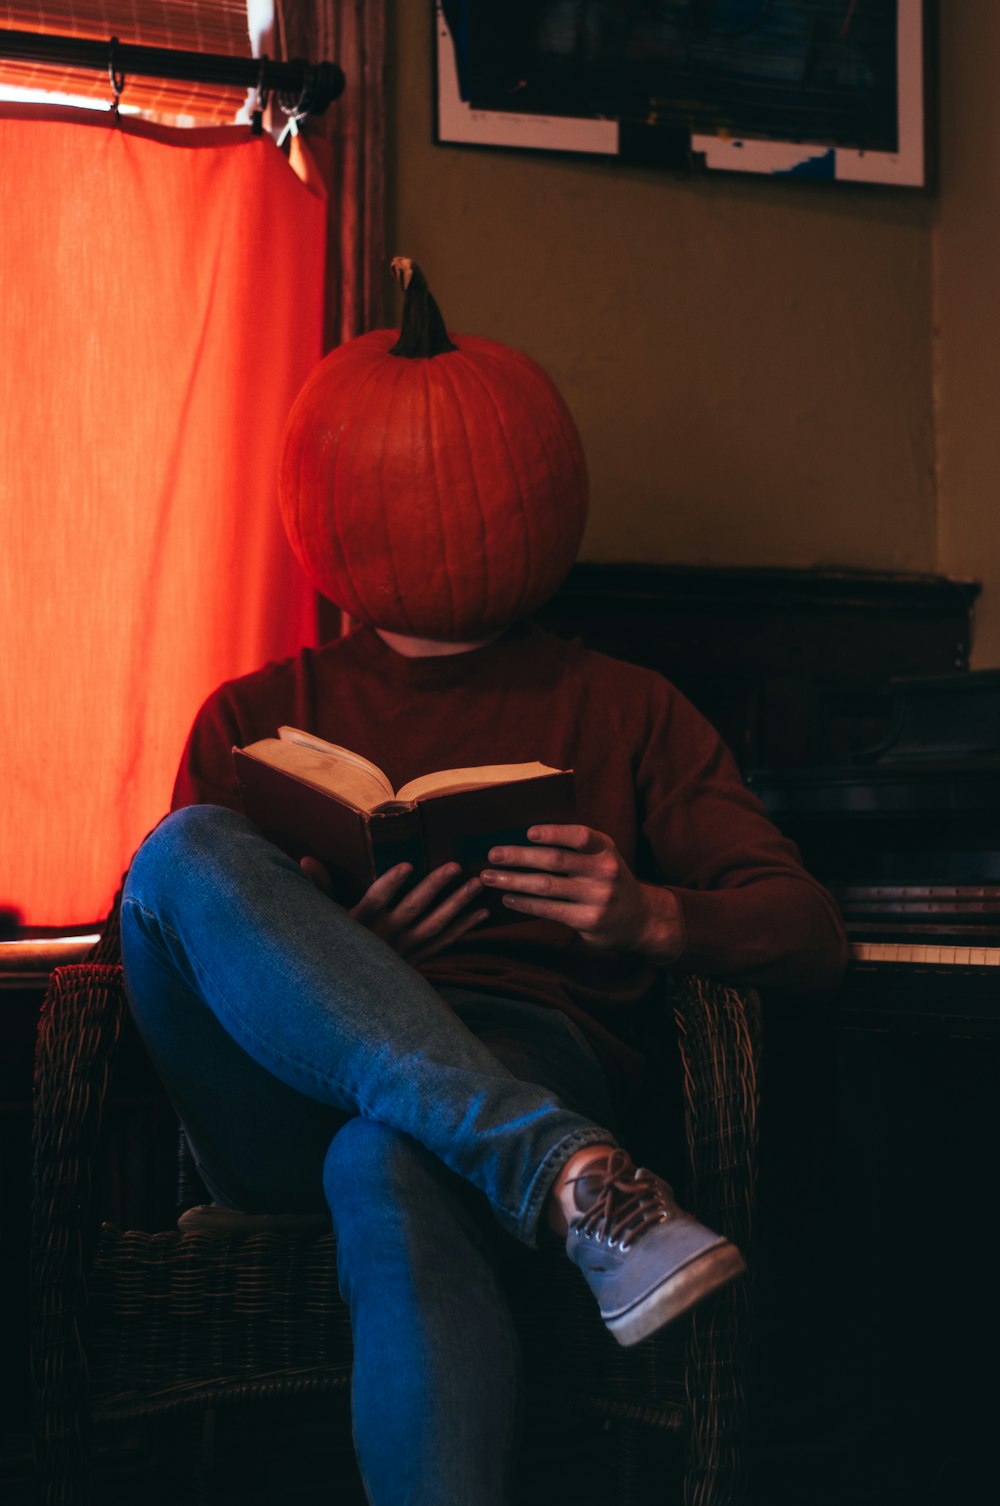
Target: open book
x=314 y=798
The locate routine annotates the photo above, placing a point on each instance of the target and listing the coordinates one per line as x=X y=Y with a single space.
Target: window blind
x=218 y=26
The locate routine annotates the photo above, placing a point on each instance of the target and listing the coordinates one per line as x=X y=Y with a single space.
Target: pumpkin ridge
x=443 y=531
x=471 y=367
x=347 y=424
x=571 y=457
x=385 y=512
x=446 y=378
x=295 y=475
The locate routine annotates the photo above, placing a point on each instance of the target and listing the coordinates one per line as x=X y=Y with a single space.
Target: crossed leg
x=306 y=1059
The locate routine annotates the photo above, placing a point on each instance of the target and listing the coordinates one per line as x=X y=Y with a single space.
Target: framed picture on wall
x=821 y=89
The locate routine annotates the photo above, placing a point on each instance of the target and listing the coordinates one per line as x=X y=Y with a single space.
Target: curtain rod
x=302 y=88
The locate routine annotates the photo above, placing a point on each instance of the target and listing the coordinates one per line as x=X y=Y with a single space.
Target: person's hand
x=577 y=876
x=419 y=923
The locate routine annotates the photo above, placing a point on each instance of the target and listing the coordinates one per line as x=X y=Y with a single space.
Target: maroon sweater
x=650 y=772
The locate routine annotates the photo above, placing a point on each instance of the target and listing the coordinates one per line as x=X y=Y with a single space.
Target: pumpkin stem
x=423 y=333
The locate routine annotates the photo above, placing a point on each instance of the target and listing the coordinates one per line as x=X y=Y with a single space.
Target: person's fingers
x=559 y=849
x=442 y=915
x=580 y=878
x=584 y=918
x=315 y=870
x=457 y=929
x=419 y=914
x=582 y=838
x=549 y=859
x=582 y=888
x=381 y=893
x=423 y=897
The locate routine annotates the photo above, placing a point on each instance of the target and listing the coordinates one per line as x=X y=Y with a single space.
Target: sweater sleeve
x=239 y=712
x=206 y=775
x=750 y=911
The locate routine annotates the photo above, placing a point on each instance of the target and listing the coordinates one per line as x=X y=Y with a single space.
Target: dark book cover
x=356 y=846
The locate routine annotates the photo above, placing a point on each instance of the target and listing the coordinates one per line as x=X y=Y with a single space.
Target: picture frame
x=831 y=90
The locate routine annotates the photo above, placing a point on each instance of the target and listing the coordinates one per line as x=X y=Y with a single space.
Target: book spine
x=304 y=821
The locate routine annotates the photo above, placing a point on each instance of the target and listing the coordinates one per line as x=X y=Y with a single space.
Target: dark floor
x=300 y=1454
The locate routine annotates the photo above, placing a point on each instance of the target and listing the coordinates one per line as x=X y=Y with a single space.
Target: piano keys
x=923 y=954
x=922 y=925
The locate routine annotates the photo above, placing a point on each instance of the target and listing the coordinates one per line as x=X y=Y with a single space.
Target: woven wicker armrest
x=719 y=1034
x=78 y=1030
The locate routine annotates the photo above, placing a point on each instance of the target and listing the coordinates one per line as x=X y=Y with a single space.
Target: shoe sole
x=690 y=1285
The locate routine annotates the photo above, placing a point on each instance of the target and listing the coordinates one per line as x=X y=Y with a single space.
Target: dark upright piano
x=907 y=836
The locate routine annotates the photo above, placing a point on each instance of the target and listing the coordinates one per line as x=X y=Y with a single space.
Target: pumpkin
x=432 y=485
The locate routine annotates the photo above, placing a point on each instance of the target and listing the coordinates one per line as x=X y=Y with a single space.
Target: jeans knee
x=391 y=1198
x=184 y=840
x=193 y=828
x=368 y=1165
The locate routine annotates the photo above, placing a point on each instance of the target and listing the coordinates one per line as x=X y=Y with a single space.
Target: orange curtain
x=218 y=26
x=162 y=304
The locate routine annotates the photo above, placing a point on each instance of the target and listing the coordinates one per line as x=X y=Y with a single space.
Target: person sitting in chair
x=438 y=1077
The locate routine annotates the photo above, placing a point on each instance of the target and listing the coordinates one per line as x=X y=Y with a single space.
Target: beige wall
x=966 y=323
x=752 y=364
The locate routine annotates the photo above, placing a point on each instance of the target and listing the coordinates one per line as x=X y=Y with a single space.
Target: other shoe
x=643 y=1257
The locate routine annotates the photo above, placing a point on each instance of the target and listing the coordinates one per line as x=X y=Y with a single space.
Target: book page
x=309 y=740
x=353 y=779
x=334 y=750
x=449 y=781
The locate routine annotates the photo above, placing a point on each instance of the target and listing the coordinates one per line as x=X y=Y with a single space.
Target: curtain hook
x=115 y=74
x=260 y=98
x=297 y=106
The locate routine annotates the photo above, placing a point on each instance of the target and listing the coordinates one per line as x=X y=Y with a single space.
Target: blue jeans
x=308 y=1061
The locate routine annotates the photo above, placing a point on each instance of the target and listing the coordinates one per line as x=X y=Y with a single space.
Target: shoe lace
x=626 y=1202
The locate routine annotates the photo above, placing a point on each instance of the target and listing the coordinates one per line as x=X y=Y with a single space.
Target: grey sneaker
x=645 y=1260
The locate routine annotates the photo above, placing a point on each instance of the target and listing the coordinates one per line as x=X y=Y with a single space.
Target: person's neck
x=430 y=648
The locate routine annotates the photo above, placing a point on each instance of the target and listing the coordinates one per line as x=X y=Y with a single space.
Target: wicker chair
x=131 y=1324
